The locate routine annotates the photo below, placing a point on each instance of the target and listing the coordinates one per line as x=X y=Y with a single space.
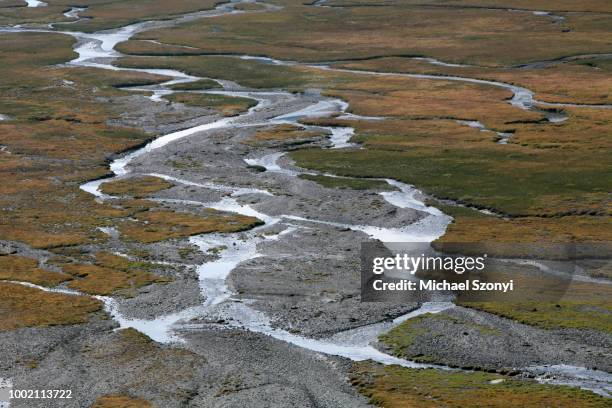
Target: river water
x=98 y=50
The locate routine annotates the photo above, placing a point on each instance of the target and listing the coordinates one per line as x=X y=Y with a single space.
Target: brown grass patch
x=153 y=226
x=21 y=269
x=467 y=228
x=112 y=275
x=136 y=187
x=430 y=98
x=121 y=401
x=282 y=133
x=21 y=306
x=567 y=83
x=58 y=138
x=477 y=36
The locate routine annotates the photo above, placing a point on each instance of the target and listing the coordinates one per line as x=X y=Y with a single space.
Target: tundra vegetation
x=479 y=36
x=27 y=307
x=349 y=183
x=284 y=135
x=60 y=134
x=121 y=401
x=136 y=187
x=246 y=72
x=99 y=14
x=227 y=105
x=394 y=386
x=550 y=182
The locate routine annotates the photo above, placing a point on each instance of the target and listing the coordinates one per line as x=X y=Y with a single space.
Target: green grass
x=475 y=175
x=402 y=337
x=584 y=314
x=228 y=105
x=246 y=72
x=603 y=64
x=348 y=183
x=394 y=386
x=196 y=85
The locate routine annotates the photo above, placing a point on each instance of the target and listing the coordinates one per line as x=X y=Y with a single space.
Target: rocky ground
x=225 y=368
x=307 y=281
x=462 y=337
x=303 y=280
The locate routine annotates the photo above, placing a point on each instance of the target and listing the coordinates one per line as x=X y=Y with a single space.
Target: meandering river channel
x=98 y=50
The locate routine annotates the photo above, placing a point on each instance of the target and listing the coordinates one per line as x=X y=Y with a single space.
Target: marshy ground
x=134 y=244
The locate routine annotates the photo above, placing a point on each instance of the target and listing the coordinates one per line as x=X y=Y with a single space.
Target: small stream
x=35 y=3
x=74 y=12
x=93 y=50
